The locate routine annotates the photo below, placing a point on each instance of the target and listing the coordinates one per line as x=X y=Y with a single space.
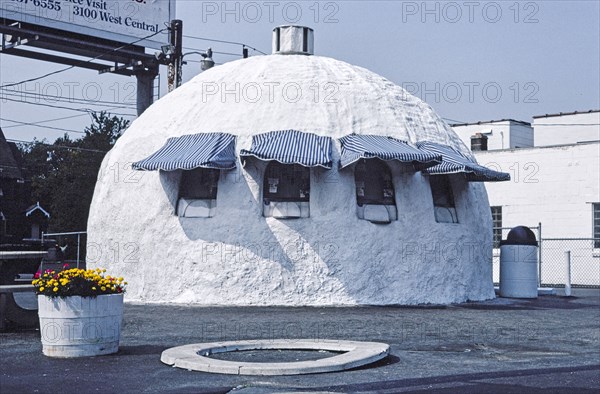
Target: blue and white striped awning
x=356 y=147
x=207 y=150
x=455 y=162
x=291 y=147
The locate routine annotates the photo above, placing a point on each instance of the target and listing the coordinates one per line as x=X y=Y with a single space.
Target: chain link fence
x=585 y=262
x=584 y=253
x=73 y=246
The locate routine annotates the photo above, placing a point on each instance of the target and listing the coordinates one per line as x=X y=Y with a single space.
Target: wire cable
x=224 y=42
x=567 y=124
x=63 y=99
x=452 y=120
x=215 y=52
x=46 y=121
x=86 y=110
x=56 y=146
x=44 y=127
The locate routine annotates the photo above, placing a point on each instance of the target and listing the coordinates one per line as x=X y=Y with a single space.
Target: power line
x=217 y=52
x=56 y=146
x=43 y=127
x=224 y=42
x=200 y=61
x=86 y=110
x=15 y=93
x=566 y=124
x=47 y=121
x=87 y=61
x=452 y=120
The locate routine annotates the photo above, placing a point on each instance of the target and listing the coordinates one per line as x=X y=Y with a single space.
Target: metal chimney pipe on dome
x=293 y=40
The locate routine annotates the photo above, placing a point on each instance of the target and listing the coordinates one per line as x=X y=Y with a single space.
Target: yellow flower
x=55 y=289
x=94 y=288
x=103 y=288
x=42 y=288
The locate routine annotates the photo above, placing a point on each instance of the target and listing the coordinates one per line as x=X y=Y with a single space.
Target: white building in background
x=501 y=134
x=566 y=128
x=555 y=170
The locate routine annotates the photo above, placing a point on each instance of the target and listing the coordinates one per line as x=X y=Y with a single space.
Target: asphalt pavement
x=549 y=344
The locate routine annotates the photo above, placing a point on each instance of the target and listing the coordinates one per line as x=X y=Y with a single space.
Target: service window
x=443 y=199
x=198 y=192
x=375 y=197
x=286 y=190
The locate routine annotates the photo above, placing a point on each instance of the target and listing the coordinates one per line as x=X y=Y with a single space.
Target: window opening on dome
x=286 y=191
x=443 y=199
x=198 y=193
x=375 y=197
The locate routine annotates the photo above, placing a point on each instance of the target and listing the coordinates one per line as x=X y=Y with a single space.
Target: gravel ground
x=551 y=344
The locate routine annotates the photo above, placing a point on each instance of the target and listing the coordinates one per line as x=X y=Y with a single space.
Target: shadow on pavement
x=471 y=382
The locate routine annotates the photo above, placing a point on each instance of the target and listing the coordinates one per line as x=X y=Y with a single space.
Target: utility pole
x=145 y=87
x=176 y=57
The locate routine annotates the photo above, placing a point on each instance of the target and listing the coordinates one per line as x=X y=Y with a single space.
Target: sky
x=470 y=60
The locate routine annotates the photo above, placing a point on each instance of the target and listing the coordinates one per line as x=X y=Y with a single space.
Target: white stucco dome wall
x=240 y=257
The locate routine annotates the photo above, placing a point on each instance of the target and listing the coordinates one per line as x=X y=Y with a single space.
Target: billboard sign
x=119 y=20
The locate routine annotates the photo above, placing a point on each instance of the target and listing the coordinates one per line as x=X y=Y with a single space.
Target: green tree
x=63 y=175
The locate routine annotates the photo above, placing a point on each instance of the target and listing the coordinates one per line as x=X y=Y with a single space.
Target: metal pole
x=176 y=57
x=170 y=77
x=176 y=42
x=178 y=25
x=145 y=88
x=539 y=254
x=78 y=241
x=568 y=273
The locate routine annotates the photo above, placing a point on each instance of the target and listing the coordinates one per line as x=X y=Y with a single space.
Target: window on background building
x=443 y=199
x=286 y=191
x=596 y=224
x=198 y=193
x=497 y=225
x=375 y=197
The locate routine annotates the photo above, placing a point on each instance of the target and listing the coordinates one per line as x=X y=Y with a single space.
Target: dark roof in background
x=482 y=122
x=9 y=168
x=566 y=113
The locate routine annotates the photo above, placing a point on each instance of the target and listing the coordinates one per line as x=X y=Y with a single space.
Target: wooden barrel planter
x=77 y=326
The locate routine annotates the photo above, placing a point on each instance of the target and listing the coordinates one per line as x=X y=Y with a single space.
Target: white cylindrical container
x=518 y=271
x=80 y=326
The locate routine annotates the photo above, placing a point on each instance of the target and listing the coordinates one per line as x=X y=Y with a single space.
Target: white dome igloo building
x=293 y=179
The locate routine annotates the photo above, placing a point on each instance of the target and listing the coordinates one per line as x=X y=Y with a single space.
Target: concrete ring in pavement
x=355 y=354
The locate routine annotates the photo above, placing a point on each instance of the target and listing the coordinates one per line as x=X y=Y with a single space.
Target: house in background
x=17 y=220
x=36 y=219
